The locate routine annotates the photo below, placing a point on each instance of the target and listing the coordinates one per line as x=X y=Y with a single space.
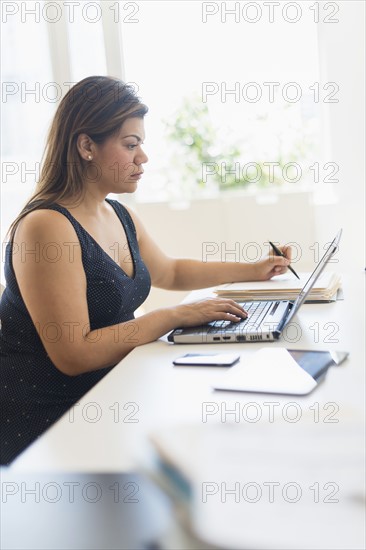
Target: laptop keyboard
x=256 y=312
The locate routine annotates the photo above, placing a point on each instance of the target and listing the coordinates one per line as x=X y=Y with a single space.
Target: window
x=30 y=94
x=26 y=107
x=86 y=42
x=253 y=83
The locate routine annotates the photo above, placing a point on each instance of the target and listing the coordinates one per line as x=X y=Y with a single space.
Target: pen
x=278 y=252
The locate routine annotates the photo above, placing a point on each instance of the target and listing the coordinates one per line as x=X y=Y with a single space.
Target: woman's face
x=117 y=163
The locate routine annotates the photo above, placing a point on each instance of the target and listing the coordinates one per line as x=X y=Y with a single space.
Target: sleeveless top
x=34 y=393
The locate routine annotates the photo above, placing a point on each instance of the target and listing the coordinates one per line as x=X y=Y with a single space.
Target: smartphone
x=209 y=360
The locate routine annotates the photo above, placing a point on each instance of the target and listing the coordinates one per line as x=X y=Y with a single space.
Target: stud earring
x=90 y=157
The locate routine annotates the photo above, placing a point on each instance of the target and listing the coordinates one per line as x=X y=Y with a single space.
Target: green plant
x=192 y=131
x=203 y=164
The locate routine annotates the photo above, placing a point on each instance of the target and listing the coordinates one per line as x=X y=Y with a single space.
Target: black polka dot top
x=34 y=393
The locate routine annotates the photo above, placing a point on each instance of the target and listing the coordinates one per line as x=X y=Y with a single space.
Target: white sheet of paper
x=269 y=371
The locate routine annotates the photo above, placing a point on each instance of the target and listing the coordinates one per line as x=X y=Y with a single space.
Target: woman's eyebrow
x=132 y=135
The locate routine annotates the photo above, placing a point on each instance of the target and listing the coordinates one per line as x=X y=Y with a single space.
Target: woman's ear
x=85 y=147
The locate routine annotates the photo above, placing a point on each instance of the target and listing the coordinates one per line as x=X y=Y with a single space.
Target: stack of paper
x=283 y=287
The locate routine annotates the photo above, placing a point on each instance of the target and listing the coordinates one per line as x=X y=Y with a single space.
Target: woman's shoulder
x=44 y=221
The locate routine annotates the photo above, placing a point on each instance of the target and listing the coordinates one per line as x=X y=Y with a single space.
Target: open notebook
x=283 y=287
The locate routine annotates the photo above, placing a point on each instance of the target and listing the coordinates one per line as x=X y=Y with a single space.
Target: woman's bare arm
x=188 y=274
x=54 y=293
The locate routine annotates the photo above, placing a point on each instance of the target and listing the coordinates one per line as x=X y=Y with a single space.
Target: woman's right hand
x=211 y=309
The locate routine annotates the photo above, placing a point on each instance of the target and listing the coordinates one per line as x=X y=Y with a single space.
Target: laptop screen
x=332 y=248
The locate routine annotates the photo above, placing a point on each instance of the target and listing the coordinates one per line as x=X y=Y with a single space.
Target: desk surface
x=108 y=430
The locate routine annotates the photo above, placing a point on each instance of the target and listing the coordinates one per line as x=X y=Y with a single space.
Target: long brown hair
x=96 y=106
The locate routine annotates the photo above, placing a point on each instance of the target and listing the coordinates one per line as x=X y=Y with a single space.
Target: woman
x=78 y=265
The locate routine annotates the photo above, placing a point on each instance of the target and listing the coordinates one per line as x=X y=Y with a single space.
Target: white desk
x=160 y=394
x=108 y=430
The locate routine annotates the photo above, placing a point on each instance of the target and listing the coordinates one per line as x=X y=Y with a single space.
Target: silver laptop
x=266 y=319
